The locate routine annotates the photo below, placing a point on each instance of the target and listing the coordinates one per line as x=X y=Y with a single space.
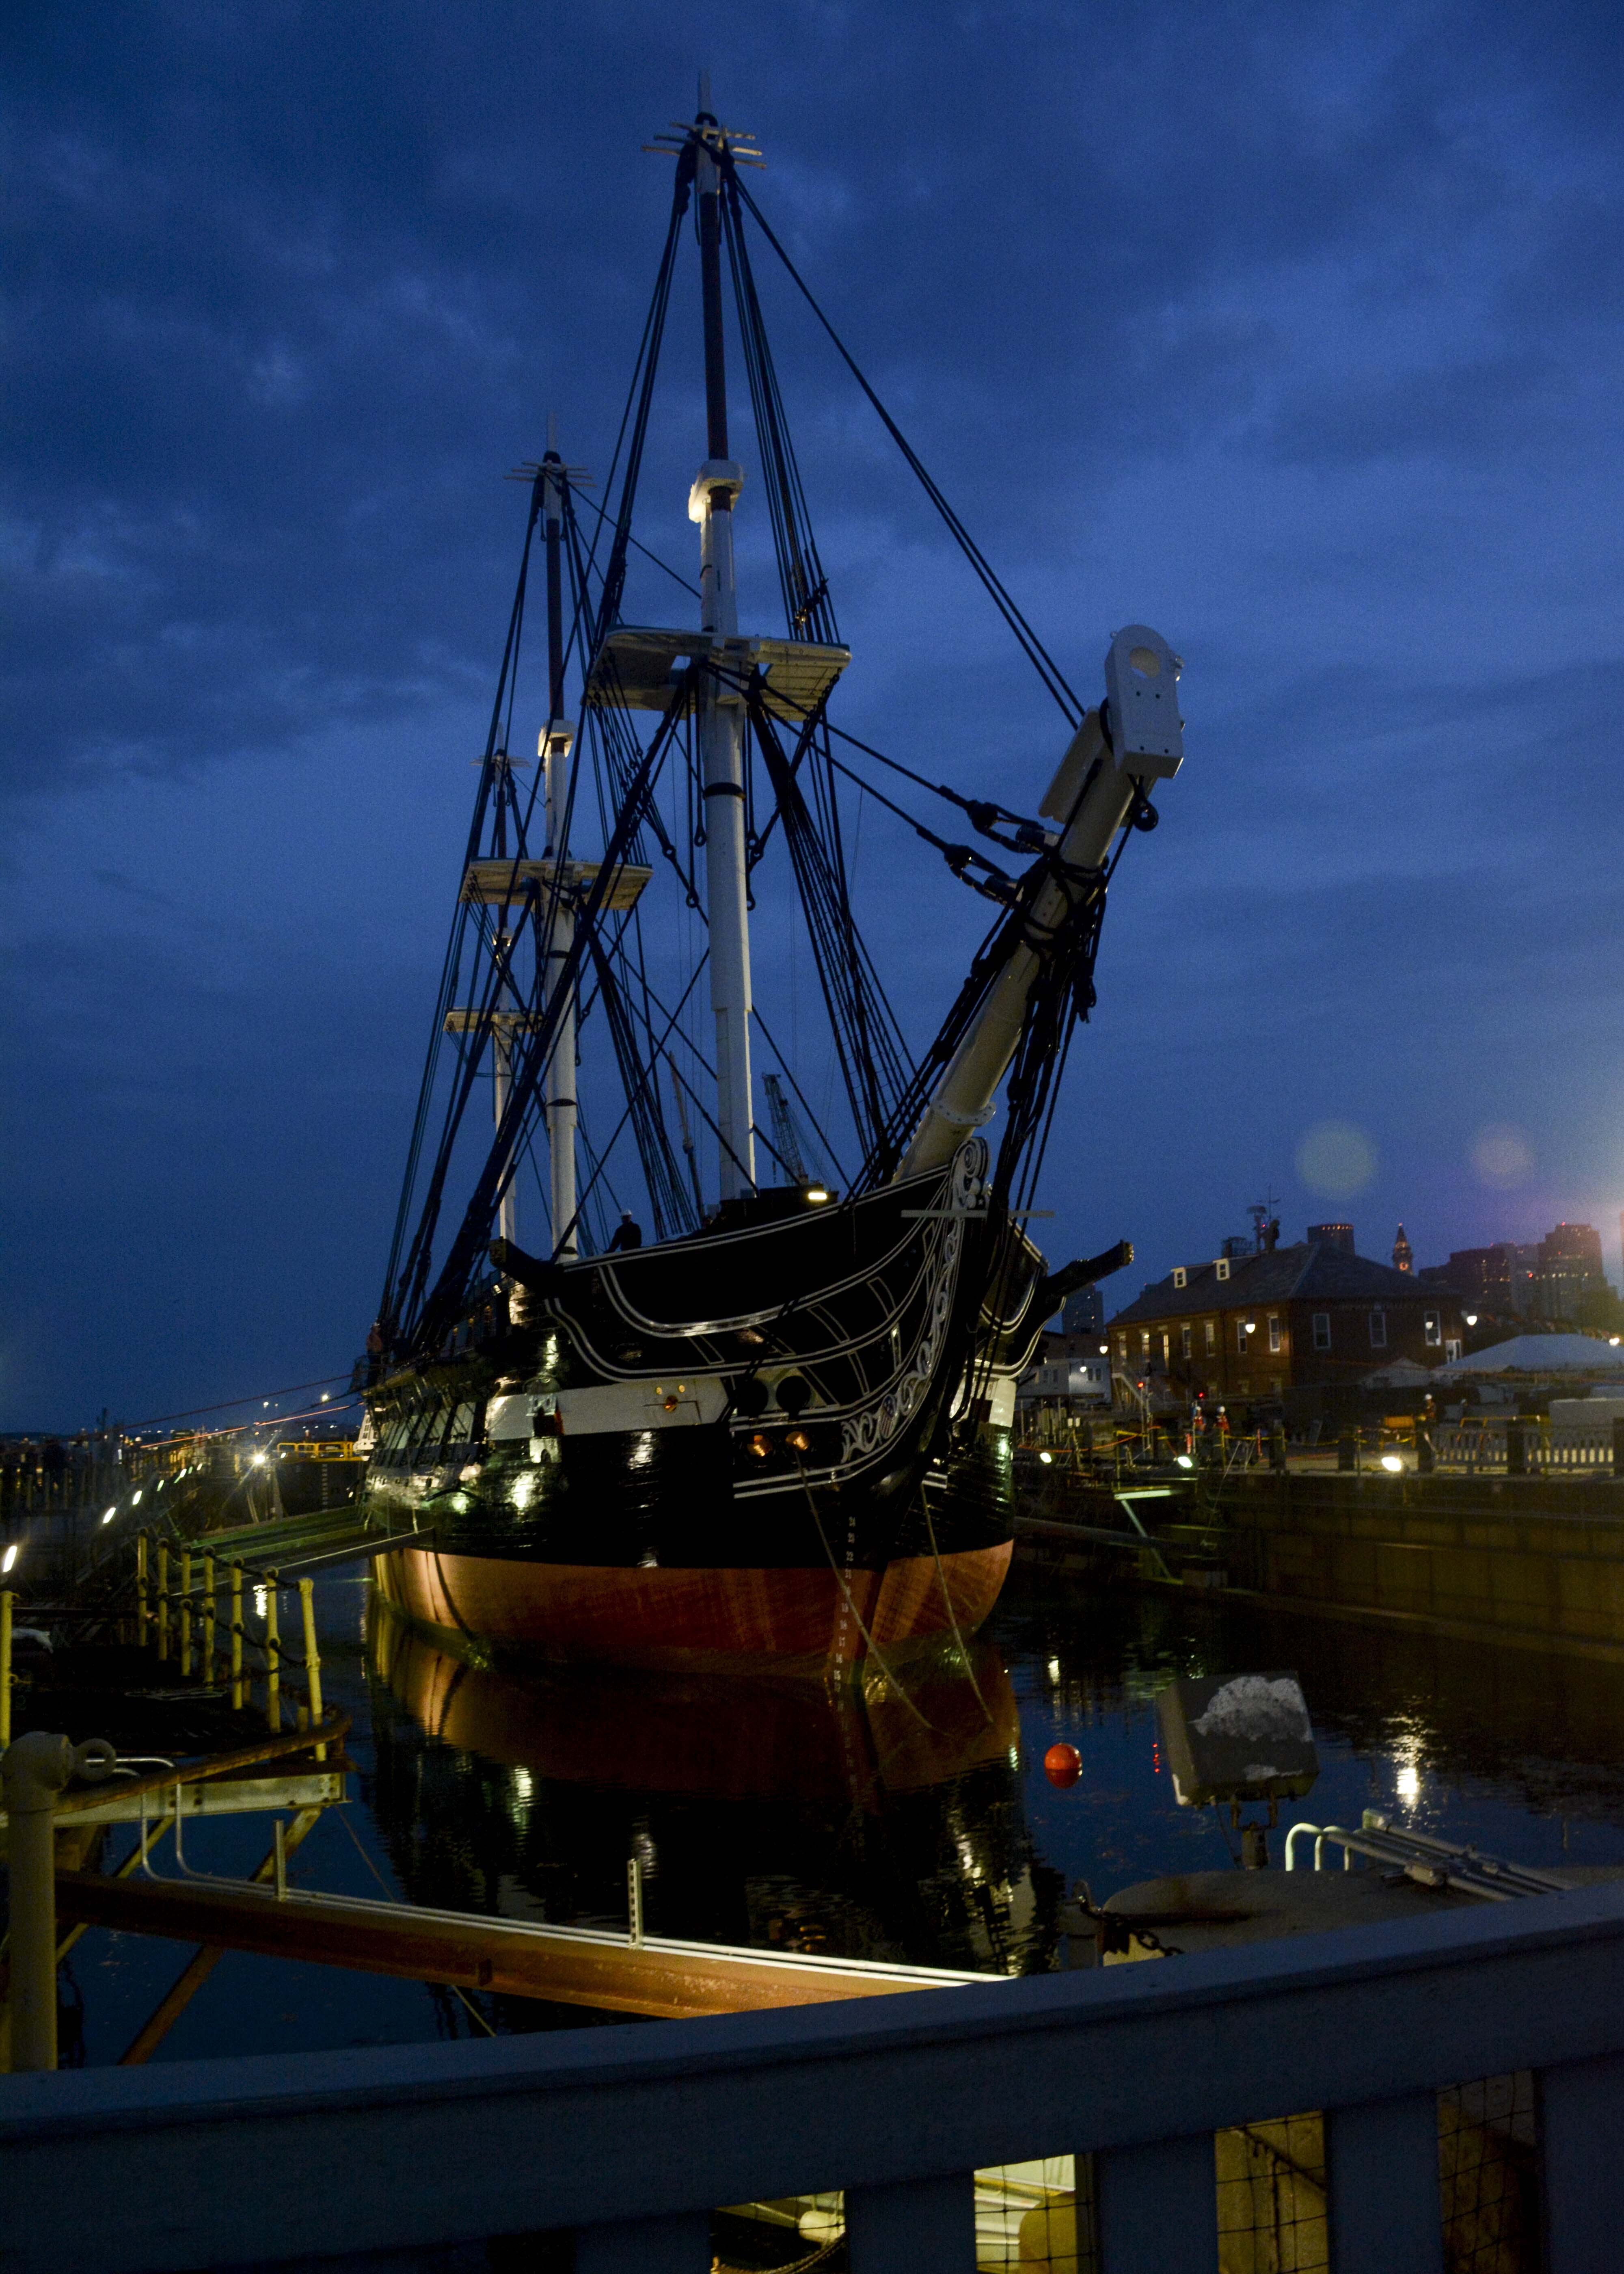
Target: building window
x=1122 y=1350
x=1245 y=1387
x=1181 y=1277
x=1187 y=1342
x=1241 y=1338
x=1273 y=1325
x=1222 y=1267
x=1433 y=1328
x=1212 y=1339
x=1322 y=1330
x=1379 y=1329
x=1452 y=1351
x=1144 y=1343
x=1164 y=1347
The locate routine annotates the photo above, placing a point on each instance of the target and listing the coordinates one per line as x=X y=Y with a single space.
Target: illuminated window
x=1212 y=1338
x=1322 y=1330
x=1186 y=1341
x=1145 y=1343
x=1240 y=1338
x=1452 y=1351
x=1433 y=1328
x=1274 y=1326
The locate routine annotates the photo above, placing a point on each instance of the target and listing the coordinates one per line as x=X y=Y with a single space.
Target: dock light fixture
x=111 y=1513
x=135 y=1500
x=260 y=1459
x=1183 y=1461
x=1392 y=1464
x=8 y=1562
x=817 y=1195
x=1048 y=1459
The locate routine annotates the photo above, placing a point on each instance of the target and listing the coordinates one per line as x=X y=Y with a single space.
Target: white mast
x=721 y=711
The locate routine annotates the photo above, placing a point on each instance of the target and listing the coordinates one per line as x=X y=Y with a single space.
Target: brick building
x=1298 y=1329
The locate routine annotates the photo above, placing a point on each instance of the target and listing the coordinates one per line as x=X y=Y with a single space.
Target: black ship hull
x=786 y=1439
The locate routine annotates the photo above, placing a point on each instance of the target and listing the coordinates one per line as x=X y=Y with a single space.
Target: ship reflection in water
x=851 y=1820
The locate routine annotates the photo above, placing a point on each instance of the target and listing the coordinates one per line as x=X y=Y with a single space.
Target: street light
x=1470 y=1318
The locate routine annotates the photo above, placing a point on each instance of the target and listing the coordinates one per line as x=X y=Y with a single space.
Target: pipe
x=33 y=1772
x=272 y=1657
x=312 y=1658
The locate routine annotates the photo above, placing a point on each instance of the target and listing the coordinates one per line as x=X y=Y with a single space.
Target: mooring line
x=852 y=1606
x=963 y=1653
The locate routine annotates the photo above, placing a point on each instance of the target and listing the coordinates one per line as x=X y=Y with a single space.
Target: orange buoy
x=1063 y=1765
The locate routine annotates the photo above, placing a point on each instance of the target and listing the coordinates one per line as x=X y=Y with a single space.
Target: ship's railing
x=625 y=2139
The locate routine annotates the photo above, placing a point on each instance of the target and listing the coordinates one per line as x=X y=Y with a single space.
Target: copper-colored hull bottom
x=679 y=1618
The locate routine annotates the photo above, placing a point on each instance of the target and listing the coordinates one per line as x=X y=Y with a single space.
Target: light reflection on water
x=848 y=1820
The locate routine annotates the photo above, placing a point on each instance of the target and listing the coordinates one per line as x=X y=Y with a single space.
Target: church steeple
x=1403 y=1254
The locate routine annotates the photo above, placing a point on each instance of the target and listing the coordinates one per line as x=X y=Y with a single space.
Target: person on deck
x=628 y=1233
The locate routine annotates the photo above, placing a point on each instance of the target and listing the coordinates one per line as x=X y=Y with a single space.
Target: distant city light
x=1392 y=1464
x=325 y=1395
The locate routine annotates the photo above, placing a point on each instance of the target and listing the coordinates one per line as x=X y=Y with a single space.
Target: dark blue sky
x=1292 y=330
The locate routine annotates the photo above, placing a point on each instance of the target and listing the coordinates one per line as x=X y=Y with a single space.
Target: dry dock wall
x=1518 y=1561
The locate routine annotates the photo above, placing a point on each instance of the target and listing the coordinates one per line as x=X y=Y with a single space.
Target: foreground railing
x=627 y=2137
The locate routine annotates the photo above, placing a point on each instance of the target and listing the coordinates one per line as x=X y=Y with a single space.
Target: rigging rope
x=1048 y=670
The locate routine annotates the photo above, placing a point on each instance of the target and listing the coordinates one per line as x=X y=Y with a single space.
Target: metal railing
x=1527 y=1448
x=628 y=2138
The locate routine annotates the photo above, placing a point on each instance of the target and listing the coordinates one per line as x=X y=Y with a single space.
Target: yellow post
x=6 y=1601
x=312 y=1656
x=163 y=1600
x=208 y=1620
x=236 y=1638
x=185 y=1611
x=272 y=1657
x=143 y=1607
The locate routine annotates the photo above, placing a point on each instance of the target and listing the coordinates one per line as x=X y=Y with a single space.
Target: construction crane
x=785 y=1136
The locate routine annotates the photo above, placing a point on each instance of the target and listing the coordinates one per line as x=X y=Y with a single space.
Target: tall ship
x=686 y=1352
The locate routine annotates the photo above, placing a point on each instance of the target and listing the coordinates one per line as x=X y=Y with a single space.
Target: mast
x=1101 y=782
x=559 y=1095
x=721 y=711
